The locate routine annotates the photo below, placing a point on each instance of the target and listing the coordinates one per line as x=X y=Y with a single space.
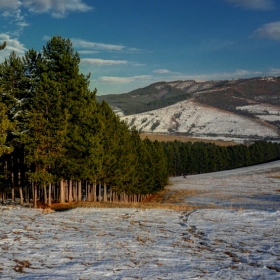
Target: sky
x=129 y=44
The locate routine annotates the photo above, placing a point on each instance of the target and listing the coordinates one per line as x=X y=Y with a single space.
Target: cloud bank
x=124 y=80
x=253 y=4
x=161 y=71
x=102 y=62
x=270 y=30
x=57 y=8
x=83 y=44
x=12 y=45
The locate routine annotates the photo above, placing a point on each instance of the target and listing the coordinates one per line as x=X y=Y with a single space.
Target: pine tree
x=44 y=120
x=3 y=45
x=5 y=123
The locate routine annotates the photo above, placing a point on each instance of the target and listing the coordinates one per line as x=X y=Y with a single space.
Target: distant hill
x=156 y=96
x=231 y=110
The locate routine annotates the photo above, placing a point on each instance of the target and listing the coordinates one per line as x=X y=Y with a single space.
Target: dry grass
x=164 y=199
x=172 y=197
x=48 y=210
x=163 y=137
x=143 y=205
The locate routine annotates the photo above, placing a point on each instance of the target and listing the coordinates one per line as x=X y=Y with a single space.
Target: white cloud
x=124 y=80
x=12 y=45
x=88 y=52
x=54 y=7
x=270 y=30
x=10 y=4
x=17 y=19
x=102 y=62
x=239 y=73
x=57 y=8
x=273 y=72
x=79 y=43
x=161 y=71
x=254 y=4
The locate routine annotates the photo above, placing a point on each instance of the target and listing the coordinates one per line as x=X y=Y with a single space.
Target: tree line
x=200 y=157
x=58 y=143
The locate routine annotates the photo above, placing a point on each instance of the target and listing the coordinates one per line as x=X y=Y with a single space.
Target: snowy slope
x=133 y=244
x=116 y=244
x=192 y=118
x=266 y=112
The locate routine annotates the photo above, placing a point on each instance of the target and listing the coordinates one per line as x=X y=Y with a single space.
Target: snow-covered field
x=254 y=187
x=89 y=243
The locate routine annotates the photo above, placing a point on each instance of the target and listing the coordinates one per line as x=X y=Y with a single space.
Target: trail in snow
x=151 y=244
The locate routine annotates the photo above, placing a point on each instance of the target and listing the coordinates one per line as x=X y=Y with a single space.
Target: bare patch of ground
x=163 y=137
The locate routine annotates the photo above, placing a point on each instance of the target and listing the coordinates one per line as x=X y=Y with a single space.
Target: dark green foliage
x=63 y=133
x=2 y=46
x=146 y=99
x=200 y=157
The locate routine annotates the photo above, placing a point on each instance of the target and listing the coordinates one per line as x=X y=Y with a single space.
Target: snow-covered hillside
x=191 y=118
x=266 y=112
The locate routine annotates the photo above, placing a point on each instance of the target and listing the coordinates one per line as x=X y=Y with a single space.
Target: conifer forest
x=58 y=144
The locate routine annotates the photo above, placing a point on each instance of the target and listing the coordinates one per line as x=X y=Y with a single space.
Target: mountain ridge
x=238 y=110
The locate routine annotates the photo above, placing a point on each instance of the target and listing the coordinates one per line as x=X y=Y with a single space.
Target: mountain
x=243 y=109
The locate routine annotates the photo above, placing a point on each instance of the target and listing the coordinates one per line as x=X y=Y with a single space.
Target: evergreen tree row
x=200 y=157
x=58 y=143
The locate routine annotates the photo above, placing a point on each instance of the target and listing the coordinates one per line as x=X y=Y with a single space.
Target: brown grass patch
x=163 y=137
x=143 y=205
x=48 y=210
x=20 y=265
x=169 y=197
x=164 y=199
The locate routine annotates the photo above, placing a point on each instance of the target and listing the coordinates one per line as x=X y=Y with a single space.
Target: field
x=235 y=235
x=166 y=137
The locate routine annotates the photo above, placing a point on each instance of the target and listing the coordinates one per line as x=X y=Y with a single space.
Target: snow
x=270 y=118
x=253 y=187
x=191 y=118
x=90 y=243
x=133 y=244
x=261 y=108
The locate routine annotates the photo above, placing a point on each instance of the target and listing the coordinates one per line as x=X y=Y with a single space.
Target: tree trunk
x=80 y=191
x=13 y=194
x=88 y=191
x=50 y=195
x=45 y=195
x=26 y=194
x=75 y=191
x=99 y=192
x=105 y=192
x=111 y=194
x=62 y=192
x=94 y=192
x=70 y=187
x=35 y=195
x=20 y=195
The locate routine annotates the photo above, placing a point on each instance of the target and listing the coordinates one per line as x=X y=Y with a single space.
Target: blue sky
x=127 y=44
